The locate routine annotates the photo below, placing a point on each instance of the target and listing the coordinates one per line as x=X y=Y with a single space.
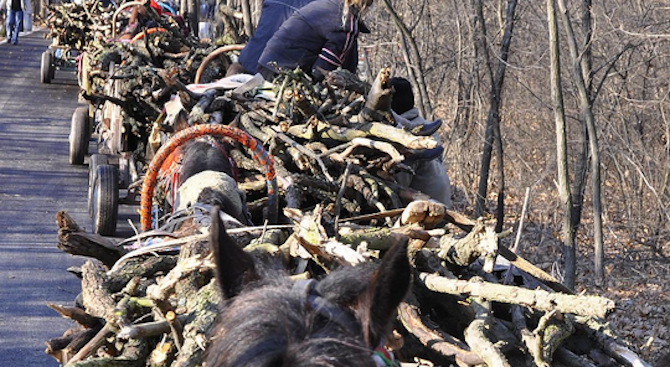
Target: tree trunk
x=493 y=120
x=561 y=142
x=410 y=47
x=587 y=113
x=582 y=160
x=587 y=56
x=183 y=8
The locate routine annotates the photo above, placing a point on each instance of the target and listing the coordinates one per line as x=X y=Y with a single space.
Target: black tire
x=79 y=135
x=105 y=200
x=93 y=162
x=46 y=69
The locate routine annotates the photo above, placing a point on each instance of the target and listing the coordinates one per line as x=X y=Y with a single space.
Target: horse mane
x=204 y=155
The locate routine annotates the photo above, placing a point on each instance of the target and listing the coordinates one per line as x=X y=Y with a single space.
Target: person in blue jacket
x=273 y=14
x=15 y=9
x=319 y=37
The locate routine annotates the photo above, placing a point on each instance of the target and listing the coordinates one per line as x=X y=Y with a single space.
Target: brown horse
x=269 y=320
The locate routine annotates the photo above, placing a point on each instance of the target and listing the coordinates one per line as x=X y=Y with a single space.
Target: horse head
x=270 y=320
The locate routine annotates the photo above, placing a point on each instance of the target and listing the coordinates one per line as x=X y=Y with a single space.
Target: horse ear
x=234 y=267
x=389 y=287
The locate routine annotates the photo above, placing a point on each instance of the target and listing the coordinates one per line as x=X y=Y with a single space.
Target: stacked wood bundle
x=79 y=24
x=314 y=132
x=152 y=300
x=126 y=74
x=139 y=90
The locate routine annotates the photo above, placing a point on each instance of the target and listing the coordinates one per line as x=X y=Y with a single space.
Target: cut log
x=75 y=241
x=594 y=306
x=98 y=300
x=76 y=314
x=475 y=336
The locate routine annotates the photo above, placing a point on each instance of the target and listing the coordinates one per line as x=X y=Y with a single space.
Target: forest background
x=485 y=67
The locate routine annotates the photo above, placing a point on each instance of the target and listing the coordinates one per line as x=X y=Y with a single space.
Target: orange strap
x=140 y=35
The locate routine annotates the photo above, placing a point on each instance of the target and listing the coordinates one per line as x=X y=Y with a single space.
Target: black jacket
x=316 y=36
x=274 y=13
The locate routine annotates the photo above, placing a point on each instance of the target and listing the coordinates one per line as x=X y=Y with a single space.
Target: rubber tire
x=46 y=69
x=105 y=200
x=93 y=162
x=79 y=135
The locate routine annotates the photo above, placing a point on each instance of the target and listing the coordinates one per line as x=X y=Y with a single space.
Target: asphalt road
x=36 y=181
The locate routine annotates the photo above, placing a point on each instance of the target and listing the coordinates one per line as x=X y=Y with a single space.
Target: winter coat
x=274 y=13
x=316 y=36
x=430 y=176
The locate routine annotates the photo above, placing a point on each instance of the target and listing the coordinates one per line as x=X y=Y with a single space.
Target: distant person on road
x=319 y=37
x=15 y=10
x=430 y=176
x=273 y=14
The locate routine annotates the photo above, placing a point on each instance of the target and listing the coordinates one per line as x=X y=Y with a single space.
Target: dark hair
x=403 y=98
x=204 y=155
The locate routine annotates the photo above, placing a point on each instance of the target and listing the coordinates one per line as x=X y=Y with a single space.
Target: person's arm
x=340 y=41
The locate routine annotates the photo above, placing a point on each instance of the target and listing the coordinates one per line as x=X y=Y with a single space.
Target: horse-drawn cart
x=110 y=87
x=112 y=166
x=57 y=57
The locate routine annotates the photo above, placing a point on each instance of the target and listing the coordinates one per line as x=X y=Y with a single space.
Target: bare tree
x=561 y=145
x=493 y=119
x=414 y=61
x=587 y=114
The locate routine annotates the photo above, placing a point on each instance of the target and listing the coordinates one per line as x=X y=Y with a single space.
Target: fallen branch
x=540 y=300
x=75 y=241
x=437 y=340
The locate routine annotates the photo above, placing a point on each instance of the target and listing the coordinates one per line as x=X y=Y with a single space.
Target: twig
x=92 y=345
x=515 y=248
x=338 y=200
x=308 y=152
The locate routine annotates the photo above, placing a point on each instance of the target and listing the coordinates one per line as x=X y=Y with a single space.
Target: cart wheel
x=46 y=69
x=105 y=200
x=93 y=162
x=79 y=135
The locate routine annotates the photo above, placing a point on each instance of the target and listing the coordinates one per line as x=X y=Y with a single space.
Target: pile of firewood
x=318 y=134
x=156 y=306
x=134 y=69
x=151 y=300
x=79 y=24
x=85 y=24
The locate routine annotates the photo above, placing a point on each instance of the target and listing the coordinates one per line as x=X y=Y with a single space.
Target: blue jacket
x=316 y=36
x=274 y=13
